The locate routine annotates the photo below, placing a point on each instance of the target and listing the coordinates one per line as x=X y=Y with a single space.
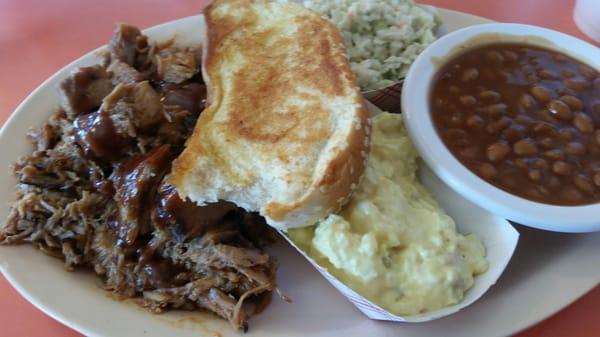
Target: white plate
x=547 y=272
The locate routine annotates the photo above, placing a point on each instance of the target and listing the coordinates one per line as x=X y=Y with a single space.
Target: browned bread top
x=285 y=130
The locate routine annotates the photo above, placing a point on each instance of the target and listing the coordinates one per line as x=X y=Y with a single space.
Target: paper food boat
x=497 y=234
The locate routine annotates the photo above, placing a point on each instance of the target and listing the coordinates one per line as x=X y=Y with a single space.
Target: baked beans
x=524 y=118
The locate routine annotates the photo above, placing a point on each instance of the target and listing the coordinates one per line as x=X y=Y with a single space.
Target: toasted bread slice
x=285 y=130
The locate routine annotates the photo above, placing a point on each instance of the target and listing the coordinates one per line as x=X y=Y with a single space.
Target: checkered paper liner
x=386 y=99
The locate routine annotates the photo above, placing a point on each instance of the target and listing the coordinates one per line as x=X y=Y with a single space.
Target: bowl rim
x=416 y=114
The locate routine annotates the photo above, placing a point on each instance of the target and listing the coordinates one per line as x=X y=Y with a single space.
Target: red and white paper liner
x=386 y=99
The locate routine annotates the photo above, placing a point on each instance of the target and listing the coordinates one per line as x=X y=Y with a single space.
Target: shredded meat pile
x=95 y=191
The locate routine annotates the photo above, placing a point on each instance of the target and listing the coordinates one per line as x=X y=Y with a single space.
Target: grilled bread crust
x=285 y=130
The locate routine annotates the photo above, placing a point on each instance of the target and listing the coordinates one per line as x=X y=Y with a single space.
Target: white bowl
x=415 y=107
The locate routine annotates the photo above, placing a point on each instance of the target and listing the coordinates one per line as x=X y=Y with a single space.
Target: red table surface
x=39 y=37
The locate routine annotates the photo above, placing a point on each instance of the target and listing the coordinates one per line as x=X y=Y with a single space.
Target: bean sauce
x=525 y=119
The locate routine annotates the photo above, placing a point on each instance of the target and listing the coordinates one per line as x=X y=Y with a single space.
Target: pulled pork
x=94 y=192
